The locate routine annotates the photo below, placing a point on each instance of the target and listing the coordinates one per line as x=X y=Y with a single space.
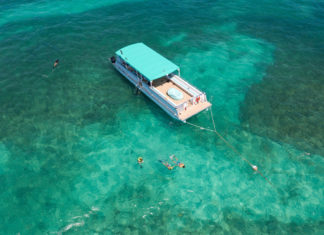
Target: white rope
x=255 y=168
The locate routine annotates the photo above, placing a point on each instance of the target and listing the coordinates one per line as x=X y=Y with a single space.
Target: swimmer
x=165 y=163
x=56 y=63
x=177 y=162
x=140 y=160
x=255 y=168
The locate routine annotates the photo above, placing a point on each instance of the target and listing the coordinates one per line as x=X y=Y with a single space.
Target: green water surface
x=70 y=137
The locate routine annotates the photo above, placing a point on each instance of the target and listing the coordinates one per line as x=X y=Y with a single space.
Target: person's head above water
x=182 y=165
x=140 y=160
x=55 y=63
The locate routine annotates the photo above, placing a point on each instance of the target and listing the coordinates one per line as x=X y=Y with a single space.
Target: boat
x=159 y=79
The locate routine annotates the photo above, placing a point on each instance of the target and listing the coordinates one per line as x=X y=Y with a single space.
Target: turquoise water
x=70 y=138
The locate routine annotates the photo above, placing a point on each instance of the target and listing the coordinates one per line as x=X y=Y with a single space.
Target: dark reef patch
x=287 y=105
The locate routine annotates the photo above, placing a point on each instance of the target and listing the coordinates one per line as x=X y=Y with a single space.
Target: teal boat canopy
x=146 y=61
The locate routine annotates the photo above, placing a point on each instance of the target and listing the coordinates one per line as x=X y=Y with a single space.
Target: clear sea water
x=70 y=138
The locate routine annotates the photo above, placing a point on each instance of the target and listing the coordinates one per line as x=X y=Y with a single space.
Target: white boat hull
x=180 y=110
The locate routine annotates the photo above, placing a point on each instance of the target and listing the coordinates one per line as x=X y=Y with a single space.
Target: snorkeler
x=177 y=162
x=140 y=160
x=165 y=163
x=56 y=63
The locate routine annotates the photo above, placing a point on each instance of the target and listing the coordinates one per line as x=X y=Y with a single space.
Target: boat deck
x=193 y=109
x=163 y=85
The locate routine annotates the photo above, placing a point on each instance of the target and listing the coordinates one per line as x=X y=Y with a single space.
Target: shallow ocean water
x=70 y=138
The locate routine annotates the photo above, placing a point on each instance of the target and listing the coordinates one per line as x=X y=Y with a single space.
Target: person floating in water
x=167 y=165
x=55 y=63
x=140 y=160
x=177 y=162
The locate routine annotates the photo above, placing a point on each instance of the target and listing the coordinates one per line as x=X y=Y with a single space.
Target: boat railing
x=186 y=86
x=162 y=100
x=182 y=106
x=204 y=97
x=125 y=70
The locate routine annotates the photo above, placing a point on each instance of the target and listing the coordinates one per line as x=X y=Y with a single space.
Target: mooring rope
x=255 y=168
